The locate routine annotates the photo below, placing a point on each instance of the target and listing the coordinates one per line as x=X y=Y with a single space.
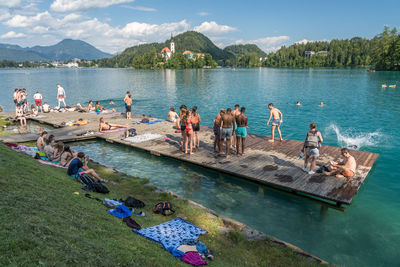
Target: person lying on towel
x=79 y=165
x=105 y=126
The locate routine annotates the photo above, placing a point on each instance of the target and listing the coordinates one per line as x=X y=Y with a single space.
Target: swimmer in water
x=112 y=102
x=322 y=104
x=298 y=103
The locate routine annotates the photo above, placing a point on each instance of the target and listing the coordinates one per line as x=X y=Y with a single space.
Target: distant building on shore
x=166 y=52
x=309 y=53
x=325 y=53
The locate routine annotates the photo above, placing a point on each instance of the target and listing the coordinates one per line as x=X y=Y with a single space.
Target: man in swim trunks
x=60 y=96
x=78 y=165
x=38 y=101
x=277 y=116
x=312 y=144
x=346 y=169
x=217 y=129
x=227 y=127
x=241 y=130
x=128 y=103
x=235 y=113
x=105 y=126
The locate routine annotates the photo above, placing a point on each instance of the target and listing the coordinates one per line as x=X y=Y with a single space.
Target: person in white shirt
x=60 y=95
x=46 y=107
x=38 y=101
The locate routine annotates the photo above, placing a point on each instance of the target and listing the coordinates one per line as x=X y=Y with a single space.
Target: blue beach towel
x=121 y=211
x=153 y=122
x=170 y=234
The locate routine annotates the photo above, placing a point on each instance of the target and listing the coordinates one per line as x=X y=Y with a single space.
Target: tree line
x=381 y=52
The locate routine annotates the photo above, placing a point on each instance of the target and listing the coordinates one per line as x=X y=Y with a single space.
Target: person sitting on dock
x=40 y=143
x=21 y=116
x=173 y=117
x=346 y=169
x=311 y=147
x=90 y=106
x=241 y=130
x=46 y=108
x=105 y=126
x=227 y=127
x=277 y=116
x=99 y=108
x=79 y=165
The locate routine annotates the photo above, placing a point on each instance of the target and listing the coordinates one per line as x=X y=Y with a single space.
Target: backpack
x=163 y=207
x=130 y=133
x=312 y=140
x=91 y=185
x=133 y=202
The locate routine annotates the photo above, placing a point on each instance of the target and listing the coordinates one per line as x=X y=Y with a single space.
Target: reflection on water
x=31 y=127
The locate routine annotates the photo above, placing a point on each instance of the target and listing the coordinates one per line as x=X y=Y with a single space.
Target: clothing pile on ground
x=147 y=121
x=142 y=137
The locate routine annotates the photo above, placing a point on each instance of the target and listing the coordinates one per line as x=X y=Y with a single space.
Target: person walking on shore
x=312 y=143
x=38 y=101
x=60 y=95
x=277 y=116
x=241 y=130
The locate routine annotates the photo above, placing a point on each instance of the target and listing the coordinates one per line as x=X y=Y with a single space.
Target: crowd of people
x=62 y=154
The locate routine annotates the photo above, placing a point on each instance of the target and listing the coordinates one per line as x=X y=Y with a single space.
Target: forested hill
x=191 y=40
x=240 y=50
x=381 y=52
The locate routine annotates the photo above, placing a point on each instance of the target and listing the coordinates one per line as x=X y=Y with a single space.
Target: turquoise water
x=357 y=112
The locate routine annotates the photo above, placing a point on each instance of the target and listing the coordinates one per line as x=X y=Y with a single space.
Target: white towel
x=142 y=137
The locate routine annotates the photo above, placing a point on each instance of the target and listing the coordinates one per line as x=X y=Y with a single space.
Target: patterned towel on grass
x=172 y=233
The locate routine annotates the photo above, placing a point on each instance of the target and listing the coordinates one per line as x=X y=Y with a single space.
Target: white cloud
x=10 y=3
x=140 y=8
x=19 y=21
x=203 y=14
x=270 y=44
x=213 y=28
x=12 y=34
x=72 y=17
x=304 y=41
x=4 y=14
x=79 y=5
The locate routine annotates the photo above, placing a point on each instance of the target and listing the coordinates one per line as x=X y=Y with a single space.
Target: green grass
x=42 y=222
x=3 y=122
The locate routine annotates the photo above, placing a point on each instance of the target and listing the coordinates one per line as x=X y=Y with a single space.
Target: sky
x=113 y=25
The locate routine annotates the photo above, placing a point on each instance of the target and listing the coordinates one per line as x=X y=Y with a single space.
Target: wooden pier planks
x=274 y=164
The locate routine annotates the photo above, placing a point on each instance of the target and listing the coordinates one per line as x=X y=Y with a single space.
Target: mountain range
x=65 y=50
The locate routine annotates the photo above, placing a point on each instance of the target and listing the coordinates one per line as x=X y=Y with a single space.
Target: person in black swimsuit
x=105 y=126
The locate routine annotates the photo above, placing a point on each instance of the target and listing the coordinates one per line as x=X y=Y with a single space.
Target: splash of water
x=354 y=139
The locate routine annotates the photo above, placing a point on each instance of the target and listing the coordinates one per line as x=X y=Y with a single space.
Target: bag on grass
x=91 y=185
x=133 y=202
x=163 y=207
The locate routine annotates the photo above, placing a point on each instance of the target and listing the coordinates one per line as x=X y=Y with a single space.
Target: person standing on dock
x=60 y=95
x=38 y=101
x=241 y=130
x=227 y=128
x=277 y=116
x=196 y=119
x=235 y=113
x=311 y=148
x=128 y=103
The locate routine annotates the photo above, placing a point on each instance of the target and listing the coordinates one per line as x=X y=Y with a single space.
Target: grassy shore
x=43 y=222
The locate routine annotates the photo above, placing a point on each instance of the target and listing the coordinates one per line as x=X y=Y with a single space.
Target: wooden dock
x=274 y=164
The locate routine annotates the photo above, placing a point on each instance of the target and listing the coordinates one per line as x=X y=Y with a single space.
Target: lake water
x=357 y=112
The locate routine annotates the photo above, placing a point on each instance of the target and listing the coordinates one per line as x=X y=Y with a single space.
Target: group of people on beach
x=63 y=155
x=22 y=108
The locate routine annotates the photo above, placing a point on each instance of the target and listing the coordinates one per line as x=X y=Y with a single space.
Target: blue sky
x=113 y=25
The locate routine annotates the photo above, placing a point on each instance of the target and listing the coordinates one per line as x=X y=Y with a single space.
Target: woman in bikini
x=105 y=126
x=189 y=131
x=182 y=114
x=66 y=156
x=196 y=119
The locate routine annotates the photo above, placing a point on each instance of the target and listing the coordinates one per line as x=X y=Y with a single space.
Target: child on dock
x=277 y=116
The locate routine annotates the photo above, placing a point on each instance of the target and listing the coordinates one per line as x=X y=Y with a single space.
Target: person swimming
x=322 y=104
x=298 y=103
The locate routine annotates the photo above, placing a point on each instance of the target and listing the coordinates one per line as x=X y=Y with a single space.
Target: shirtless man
x=235 y=113
x=60 y=96
x=217 y=130
x=128 y=103
x=227 y=127
x=346 y=169
x=277 y=116
x=241 y=130
x=40 y=143
x=105 y=126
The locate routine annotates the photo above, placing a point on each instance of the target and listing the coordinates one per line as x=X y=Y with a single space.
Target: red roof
x=165 y=50
x=187 y=52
